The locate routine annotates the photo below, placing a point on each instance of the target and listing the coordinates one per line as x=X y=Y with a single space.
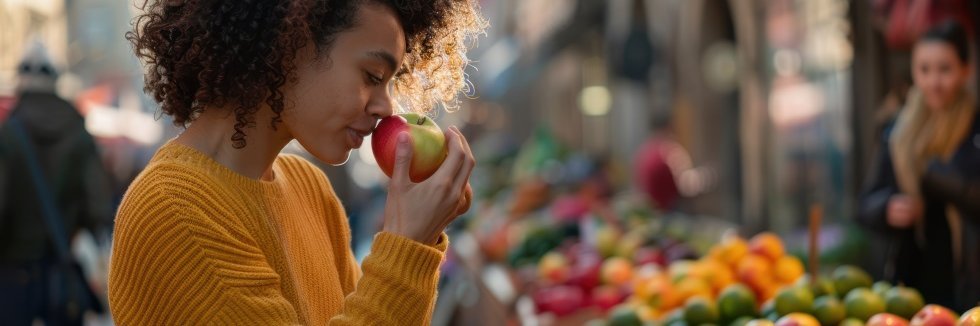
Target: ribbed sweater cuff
x=397 y=251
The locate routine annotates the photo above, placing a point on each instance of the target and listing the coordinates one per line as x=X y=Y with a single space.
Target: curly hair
x=201 y=53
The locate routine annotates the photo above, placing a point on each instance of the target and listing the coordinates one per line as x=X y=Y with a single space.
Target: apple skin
x=886 y=319
x=934 y=315
x=429 y=147
x=970 y=317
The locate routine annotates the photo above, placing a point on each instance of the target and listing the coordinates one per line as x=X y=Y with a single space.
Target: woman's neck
x=211 y=134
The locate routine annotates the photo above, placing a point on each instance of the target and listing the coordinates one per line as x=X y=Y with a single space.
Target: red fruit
x=560 y=300
x=648 y=255
x=605 y=297
x=886 y=319
x=934 y=315
x=429 y=147
x=586 y=272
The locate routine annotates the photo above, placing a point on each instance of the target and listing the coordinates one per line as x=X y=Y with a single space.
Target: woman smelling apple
x=221 y=228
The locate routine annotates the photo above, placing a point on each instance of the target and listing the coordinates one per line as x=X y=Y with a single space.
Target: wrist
x=420 y=237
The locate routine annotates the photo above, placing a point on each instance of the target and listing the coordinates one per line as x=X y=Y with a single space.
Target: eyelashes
x=373 y=80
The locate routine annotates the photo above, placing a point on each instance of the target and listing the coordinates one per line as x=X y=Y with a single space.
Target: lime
x=699 y=311
x=862 y=304
x=903 y=302
x=794 y=299
x=736 y=301
x=823 y=286
x=829 y=310
x=624 y=316
x=847 y=278
x=851 y=322
x=881 y=288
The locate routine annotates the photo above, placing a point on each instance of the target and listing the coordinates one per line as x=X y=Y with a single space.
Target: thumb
x=403 y=159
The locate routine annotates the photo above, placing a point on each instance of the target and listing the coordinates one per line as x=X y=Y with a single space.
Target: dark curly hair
x=200 y=53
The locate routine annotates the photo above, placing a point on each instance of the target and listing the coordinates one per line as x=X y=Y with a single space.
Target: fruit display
x=608 y=269
x=581 y=255
x=753 y=282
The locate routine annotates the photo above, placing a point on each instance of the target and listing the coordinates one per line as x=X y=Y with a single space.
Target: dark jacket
x=929 y=267
x=71 y=165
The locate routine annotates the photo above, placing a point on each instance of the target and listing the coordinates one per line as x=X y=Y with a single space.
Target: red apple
x=560 y=300
x=607 y=296
x=934 y=315
x=886 y=319
x=585 y=272
x=649 y=255
x=429 y=146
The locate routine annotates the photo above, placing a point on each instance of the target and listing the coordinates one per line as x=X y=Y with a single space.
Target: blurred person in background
x=220 y=228
x=663 y=168
x=925 y=187
x=52 y=185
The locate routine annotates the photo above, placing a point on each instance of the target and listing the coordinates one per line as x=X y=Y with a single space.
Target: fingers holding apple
x=429 y=175
x=429 y=147
x=465 y=200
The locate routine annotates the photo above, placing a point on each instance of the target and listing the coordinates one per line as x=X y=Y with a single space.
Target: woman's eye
x=374 y=80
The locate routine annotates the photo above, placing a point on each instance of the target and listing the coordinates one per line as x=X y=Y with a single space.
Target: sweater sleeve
x=397 y=282
x=881 y=186
x=176 y=265
x=398 y=285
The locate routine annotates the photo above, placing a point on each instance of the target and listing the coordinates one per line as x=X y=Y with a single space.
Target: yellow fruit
x=646 y=313
x=759 y=322
x=693 y=287
x=606 y=240
x=716 y=252
x=788 y=269
x=627 y=246
x=767 y=244
x=680 y=269
x=658 y=293
x=797 y=319
x=970 y=317
x=617 y=271
x=733 y=250
x=756 y=271
x=718 y=274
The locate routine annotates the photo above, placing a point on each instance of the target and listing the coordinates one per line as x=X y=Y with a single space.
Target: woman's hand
x=903 y=211
x=421 y=211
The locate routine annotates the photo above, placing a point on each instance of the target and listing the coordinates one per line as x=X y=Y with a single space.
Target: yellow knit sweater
x=196 y=243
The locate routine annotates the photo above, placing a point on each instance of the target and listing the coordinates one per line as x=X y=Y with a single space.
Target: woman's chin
x=936 y=105
x=339 y=160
